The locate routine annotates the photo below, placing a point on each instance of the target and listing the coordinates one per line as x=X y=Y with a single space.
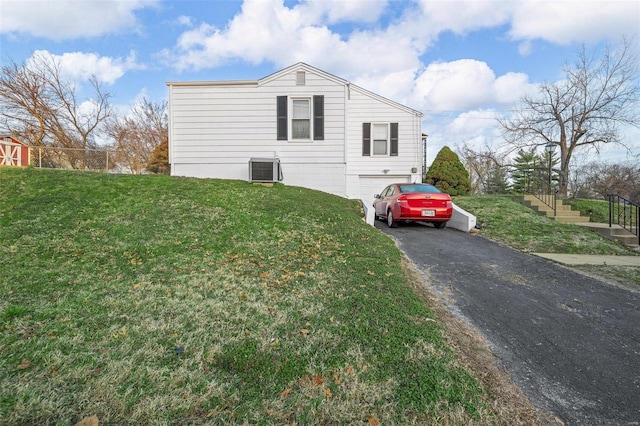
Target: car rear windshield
x=418 y=187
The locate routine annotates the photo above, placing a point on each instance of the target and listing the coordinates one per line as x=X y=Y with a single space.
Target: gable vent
x=265 y=170
x=300 y=78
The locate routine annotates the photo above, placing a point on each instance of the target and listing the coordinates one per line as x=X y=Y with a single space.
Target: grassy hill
x=505 y=220
x=159 y=300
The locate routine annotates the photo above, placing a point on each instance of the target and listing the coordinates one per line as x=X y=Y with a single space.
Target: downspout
x=170 y=128
x=347 y=98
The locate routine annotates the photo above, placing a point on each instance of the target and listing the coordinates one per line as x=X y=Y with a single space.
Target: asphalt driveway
x=571 y=342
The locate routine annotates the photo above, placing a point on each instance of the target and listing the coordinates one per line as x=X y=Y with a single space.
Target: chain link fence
x=75 y=158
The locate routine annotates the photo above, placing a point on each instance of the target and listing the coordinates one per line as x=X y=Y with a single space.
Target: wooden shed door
x=10 y=154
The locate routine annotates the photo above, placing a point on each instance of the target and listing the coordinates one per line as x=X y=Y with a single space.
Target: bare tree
x=597 y=180
x=23 y=103
x=598 y=96
x=139 y=133
x=43 y=109
x=481 y=165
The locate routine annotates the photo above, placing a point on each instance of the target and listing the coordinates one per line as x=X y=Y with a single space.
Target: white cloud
x=266 y=30
x=185 y=21
x=476 y=128
x=337 y=11
x=455 y=86
x=68 y=19
x=565 y=22
x=78 y=66
x=472 y=122
x=464 y=16
x=511 y=87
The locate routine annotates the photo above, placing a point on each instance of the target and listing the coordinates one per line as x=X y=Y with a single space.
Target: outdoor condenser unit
x=264 y=170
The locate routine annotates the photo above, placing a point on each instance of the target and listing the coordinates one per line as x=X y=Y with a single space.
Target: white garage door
x=372 y=185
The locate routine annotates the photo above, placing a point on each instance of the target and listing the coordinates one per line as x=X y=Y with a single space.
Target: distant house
x=13 y=152
x=301 y=126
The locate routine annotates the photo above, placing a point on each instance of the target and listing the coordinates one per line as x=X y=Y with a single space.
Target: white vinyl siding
x=216 y=127
x=363 y=108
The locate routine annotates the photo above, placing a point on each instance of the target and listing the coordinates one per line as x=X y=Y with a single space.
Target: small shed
x=13 y=152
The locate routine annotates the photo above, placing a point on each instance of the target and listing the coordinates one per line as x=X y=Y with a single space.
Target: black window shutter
x=282 y=118
x=366 y=139
x=318 y=117
x=394 y=139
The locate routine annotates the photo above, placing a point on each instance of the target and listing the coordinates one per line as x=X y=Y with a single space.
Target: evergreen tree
x=448 y=174
x=527 y=164
x=497 y=182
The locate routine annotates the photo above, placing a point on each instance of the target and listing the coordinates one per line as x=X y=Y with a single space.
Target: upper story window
x=380 y=134
x=300 y=118
x=380 y=139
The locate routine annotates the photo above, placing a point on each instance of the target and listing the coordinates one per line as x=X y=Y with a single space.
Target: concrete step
x=615 y=232
x=571 y=219
x=531 y=200
x=565 y=213
x=562 y=214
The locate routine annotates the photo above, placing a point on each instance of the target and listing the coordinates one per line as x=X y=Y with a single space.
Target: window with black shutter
x=366 y=139
x=394 y=139
x=380 y=139
x=300 y=118
x=282 y=118
x=318 y=117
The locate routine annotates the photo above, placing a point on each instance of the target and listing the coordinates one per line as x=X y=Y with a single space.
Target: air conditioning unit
x=265 y=170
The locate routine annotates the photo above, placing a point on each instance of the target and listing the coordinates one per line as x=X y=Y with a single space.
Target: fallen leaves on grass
x=89 y=421
x=285 y=393
x=328 y=393
x=24 y=365
x=373 y=421
x=121 y=334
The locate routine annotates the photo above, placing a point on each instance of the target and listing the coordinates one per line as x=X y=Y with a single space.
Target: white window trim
x=290 y=119
x=388 y=153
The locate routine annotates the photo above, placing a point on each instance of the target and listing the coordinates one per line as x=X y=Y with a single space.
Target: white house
x=301 y=126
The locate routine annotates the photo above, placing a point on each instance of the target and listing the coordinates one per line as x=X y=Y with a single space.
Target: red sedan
x=413 y=202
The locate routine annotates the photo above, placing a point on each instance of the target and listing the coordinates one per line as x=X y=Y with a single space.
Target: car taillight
x=449 y=204
x=402 y=198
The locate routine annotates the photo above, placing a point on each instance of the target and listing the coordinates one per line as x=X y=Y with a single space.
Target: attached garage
x=372 y=185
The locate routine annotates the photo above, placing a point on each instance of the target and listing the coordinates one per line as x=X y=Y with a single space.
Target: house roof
x=9 y=138
x=300 y=66
x=213 y=83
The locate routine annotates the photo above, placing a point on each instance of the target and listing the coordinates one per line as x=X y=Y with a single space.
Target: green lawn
x=504 y=219
x=160 y=300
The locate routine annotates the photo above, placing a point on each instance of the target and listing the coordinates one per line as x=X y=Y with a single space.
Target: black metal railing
x=540 y=188
x=625 y=213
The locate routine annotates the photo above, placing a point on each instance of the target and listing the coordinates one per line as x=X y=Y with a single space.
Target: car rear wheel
x=390 y=220
x=439 y=225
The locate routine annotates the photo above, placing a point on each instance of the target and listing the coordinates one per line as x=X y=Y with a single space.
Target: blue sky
x=462 y=63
